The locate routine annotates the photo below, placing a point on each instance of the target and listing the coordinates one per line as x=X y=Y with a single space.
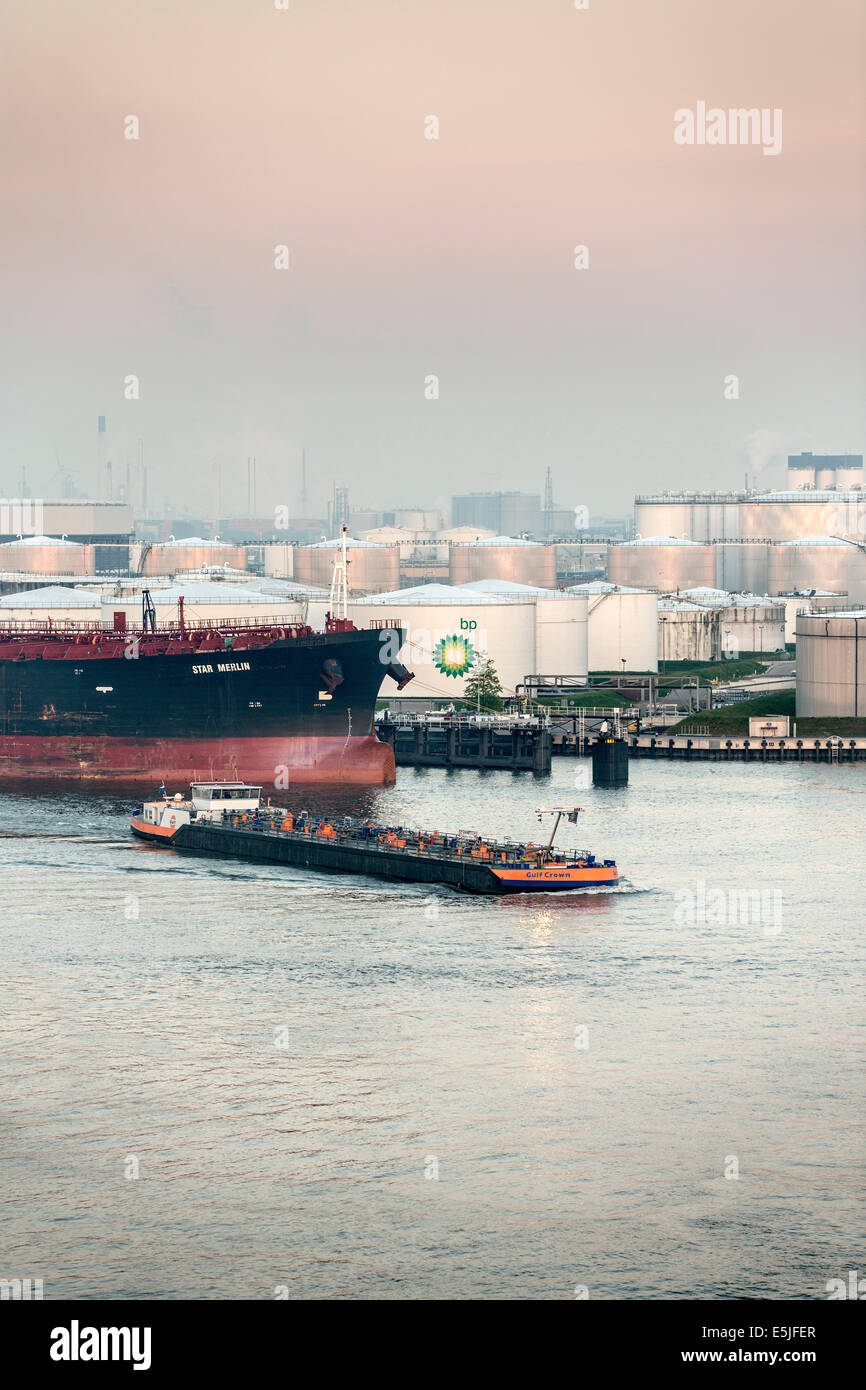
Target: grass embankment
x=732 y=721
x=678 y=672
x=593 y=699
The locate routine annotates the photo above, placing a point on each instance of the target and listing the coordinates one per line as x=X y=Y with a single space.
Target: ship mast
x=340 y=579
x=559 y=812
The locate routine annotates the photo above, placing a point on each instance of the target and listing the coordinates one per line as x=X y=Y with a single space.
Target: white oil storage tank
x=622 y=624
x=818 y=562
x=561 y=633
x=831 y=664
x=666 y=563
x=743 y=567
x=447 y=629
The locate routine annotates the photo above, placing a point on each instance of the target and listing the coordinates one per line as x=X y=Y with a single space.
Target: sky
x=413 y=258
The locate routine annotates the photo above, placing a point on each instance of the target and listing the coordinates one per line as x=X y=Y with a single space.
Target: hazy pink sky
x=411 y=257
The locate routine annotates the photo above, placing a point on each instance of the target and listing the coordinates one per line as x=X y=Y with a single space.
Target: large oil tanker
x=275 y=704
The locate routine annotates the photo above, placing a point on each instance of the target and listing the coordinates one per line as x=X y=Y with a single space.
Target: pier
x=498 y=742
x=767 y=750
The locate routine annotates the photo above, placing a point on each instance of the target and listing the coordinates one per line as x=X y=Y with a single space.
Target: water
x=422 y=1031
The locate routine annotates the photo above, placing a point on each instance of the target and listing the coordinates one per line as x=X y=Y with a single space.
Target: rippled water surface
x=290 y=1057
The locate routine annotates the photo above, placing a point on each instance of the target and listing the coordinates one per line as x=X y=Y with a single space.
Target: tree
x=483 y=689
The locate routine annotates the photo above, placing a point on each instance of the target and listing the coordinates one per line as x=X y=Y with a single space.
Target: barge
x=229 y=819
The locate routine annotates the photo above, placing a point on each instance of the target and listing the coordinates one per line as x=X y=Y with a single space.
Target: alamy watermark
x=713 y=125
x=708 y=906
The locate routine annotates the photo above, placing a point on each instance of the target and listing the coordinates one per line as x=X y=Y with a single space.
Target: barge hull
x=274 y=847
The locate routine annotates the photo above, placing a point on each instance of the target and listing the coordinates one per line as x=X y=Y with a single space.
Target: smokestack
x=249 y=484
x=253 y=512
x=101 y=479
x=303 y=482
x=140 y=488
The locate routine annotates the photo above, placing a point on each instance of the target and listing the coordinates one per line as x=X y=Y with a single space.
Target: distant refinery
x=544 y=590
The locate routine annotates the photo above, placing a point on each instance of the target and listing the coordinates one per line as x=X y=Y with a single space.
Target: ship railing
x=63 y=627
x=432 y=840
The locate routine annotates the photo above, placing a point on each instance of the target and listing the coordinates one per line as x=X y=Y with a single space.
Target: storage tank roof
x=288 y=588
x=194 y=541
x=337 y=544
x=52 y=596
x=209 y=593
x=814 y=494
x=816 y=540
x=508 y=586
x=43 y=540
x=660 y=540
x=502 y=540
x=602 y=586
x=434 y=595
x=679 y=605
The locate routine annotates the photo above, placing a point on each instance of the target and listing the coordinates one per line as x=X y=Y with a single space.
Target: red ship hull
x=274 y=762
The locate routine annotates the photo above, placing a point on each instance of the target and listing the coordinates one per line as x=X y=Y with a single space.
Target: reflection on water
x=283 y=1053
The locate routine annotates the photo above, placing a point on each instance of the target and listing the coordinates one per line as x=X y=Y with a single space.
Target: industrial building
x=75 y=519
x=808 y=470
x=504 y=513
x=524 y=632
x=831 y=664
x=622 y=627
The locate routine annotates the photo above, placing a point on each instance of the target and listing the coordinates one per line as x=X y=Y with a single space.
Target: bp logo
x=454 y=655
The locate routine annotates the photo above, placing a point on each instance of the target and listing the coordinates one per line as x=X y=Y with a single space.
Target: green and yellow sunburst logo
x=453 y=656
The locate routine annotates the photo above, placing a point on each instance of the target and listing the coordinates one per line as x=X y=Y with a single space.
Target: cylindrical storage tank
x=458 y=535
x=623 y=623
x=447 y=629
x=743 y=567
x=752 y=626
x=800 y=476
x=59 y=603
x=665 y=516
x=825 y=477
x=849 y=476
x=700 y=516
x=279 y=561
x=818 y=562
x=661 y=562
x=504 y=557
x=561 y=638
x=372 y=568
x=688 y=632
x=831 y=664
x=192 y=553
x=789 y=516
x=47 y=555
